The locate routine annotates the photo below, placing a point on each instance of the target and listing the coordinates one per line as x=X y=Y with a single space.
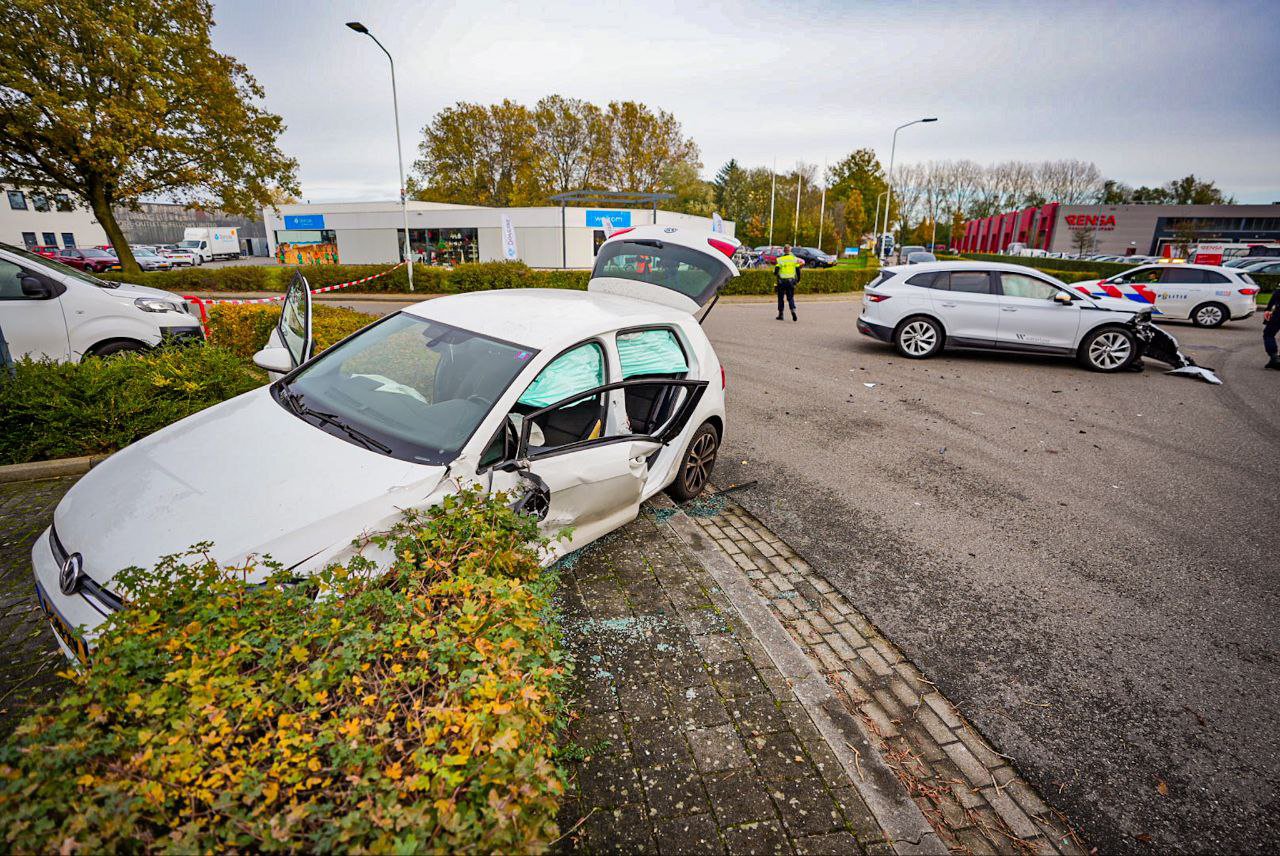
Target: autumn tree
x=573 y=144
x=644 y=142
x=114 y=102
x=471 y=154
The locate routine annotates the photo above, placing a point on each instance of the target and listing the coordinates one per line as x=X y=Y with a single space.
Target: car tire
x=918 y=338
x=1108 y=349
x=1211 y=314
x=120 y=346
x=696 y=465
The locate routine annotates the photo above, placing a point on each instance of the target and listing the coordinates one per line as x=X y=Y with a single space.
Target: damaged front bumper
x=1160 y=345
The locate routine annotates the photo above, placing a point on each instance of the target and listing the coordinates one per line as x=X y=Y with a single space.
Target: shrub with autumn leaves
x=244 y=329
x=407 y=708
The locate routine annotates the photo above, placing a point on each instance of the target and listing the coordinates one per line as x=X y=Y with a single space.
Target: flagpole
x=822 y=209
x=795 y=227
x=773 y=192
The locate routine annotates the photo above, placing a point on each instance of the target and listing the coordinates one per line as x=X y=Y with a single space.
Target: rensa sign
x=1091 y=221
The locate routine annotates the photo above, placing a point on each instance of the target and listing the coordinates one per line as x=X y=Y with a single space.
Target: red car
x=91 y=259
x=48 y=251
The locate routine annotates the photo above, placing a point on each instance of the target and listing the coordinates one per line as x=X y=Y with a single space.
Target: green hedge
x=244 y=329
x=464 y=278
x=408 y=709
x=58 y=410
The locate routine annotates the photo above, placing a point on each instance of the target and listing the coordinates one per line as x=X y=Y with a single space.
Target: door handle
x=949 y=305
x=1007 y=309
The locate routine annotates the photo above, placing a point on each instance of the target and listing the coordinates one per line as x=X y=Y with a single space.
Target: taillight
x=1249 y=291
x=878 y=298
x=723 y=246
x=724 y=380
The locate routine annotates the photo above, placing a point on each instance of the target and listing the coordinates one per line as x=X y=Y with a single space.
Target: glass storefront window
x=441 y=246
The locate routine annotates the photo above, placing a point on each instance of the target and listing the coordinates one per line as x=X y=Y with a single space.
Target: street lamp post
x=888 y=205
x=395 y=106
x=875 y=224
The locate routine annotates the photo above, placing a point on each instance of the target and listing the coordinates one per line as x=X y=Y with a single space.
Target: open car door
x=593 y=485
x=290 y=343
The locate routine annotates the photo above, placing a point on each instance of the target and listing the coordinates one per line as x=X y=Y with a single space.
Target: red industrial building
x=1032 y=227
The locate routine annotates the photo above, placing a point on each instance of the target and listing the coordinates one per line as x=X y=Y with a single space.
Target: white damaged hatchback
x=578 y=405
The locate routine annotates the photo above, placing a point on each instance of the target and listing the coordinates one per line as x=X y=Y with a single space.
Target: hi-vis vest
x=787 y=266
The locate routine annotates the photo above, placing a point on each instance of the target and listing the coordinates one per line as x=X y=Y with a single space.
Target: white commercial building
x=439 y=233
x=35 y=218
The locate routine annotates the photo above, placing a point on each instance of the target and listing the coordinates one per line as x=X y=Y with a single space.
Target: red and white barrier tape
x=203 y=302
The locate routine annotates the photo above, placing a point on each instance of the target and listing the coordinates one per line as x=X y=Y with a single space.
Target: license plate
x=60 y=626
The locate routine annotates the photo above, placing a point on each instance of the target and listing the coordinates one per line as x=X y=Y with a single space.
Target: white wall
x=538 y=230
x=367 y=246
x=79 y=222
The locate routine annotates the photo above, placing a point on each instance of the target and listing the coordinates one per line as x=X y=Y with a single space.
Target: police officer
x=786 y=272
x=1271 y=317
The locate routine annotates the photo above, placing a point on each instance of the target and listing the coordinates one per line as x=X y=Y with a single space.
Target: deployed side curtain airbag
x=648 y=352
x=577 y=371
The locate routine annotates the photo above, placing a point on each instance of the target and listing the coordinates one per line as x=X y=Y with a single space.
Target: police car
x=1207 y=295
x=581 y=404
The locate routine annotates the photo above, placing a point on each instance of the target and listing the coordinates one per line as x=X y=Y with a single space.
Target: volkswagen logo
x=71 y=573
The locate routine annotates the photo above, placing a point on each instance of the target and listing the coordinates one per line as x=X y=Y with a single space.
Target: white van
x=52 y=311
x=211 y=244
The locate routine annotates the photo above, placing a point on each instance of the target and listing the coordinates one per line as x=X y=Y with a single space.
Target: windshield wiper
x=298 y=406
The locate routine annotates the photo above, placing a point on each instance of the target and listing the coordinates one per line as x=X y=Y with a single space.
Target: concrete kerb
x=57 y=468
x=903 y=822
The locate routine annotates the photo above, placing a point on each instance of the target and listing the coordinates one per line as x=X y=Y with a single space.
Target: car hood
x=1120 y=304
x=129 y=291
x=246 y=475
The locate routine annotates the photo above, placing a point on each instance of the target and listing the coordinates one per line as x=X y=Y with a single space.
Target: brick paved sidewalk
x=31 y=660
x=972 y=795
x=693 y=741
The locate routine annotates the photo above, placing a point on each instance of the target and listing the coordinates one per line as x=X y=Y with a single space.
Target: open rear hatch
x=681 y=268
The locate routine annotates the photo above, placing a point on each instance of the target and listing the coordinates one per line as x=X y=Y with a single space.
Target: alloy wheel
x=919 y=338
x=699 y=462
x=1209 y=316
x=1110 y=350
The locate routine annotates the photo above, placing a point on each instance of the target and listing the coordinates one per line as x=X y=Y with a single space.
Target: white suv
x=1208 y=295
x=991 y=306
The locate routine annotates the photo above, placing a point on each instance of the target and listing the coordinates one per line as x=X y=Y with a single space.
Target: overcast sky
x=1147 y=90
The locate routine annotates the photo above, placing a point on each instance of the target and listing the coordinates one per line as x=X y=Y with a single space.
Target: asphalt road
x=1084 y=563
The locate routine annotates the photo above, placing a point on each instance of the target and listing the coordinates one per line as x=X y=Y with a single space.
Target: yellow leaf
x=393 y=772
x=299 y=653
x=270 y=792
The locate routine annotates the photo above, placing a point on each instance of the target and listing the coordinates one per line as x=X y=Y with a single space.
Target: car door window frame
x=679 y=418
x=993 y=285
x=1000 y=285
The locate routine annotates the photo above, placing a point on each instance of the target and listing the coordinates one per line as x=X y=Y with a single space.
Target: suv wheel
x=918 y=338
x=1210 y=315
x=1110 y=349
x=695 y=469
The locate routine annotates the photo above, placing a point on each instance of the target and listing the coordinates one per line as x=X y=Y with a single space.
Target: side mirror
x=34 y=286
x=275 y=360
x=1063 y=298
x=536 y=500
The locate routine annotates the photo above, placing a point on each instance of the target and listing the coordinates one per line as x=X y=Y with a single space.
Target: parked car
x=148 y=259
x=905 y=251
x=813 y=257
x=179 y=256
x=52 y=311
x=1208 y=295
x=579 y=404
x=922 y=309
x=921 y=258
x=92 y=259
x=1262 y=264
x=768 y=255
x=49 y=251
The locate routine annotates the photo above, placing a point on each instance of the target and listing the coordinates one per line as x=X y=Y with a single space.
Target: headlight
x=151 y=304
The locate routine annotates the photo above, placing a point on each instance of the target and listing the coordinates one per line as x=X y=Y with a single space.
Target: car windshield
x=97 y=254
x=416 y=388
x=139 y=251
x=191 y=245
x=57 y=266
